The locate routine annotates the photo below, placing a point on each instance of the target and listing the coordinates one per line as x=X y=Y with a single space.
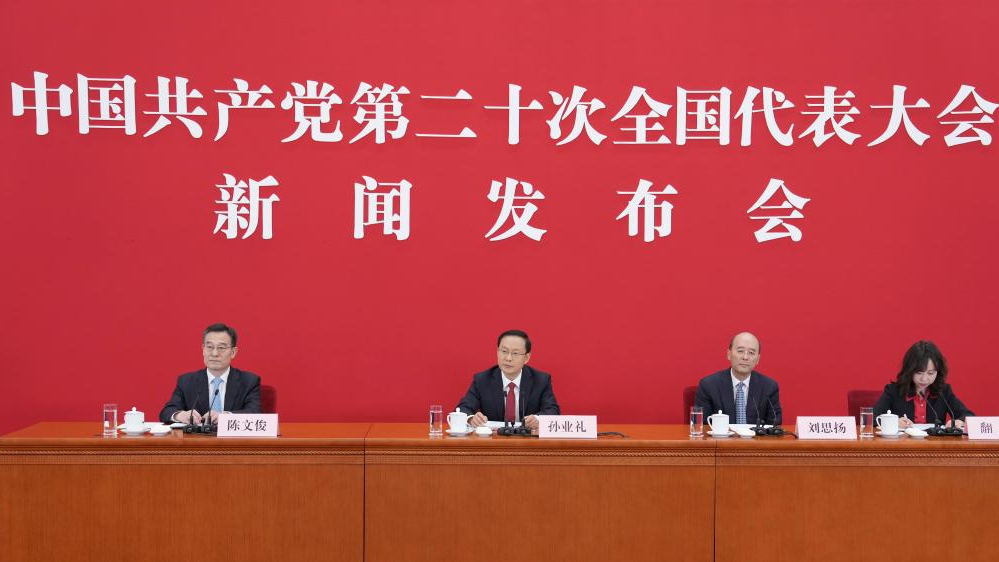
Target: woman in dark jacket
x=920 y=393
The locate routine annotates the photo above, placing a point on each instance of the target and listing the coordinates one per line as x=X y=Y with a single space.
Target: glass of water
x=110 y=420
x=867 y=422
x=696 y=421
x=436 y=420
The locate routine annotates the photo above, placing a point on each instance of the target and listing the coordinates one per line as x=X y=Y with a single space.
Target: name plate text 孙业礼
x=567 y=427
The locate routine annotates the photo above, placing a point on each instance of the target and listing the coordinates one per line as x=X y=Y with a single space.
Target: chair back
x=268 y=399
x=857 y=399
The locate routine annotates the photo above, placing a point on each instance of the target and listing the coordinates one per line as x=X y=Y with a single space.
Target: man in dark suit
x=216 y=388
x=740 y=391
x=510 y=390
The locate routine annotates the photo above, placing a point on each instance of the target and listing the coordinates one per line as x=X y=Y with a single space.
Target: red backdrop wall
x=111 y=268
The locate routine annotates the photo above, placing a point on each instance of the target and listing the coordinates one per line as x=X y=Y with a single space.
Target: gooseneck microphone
x=953 y=416
x=937 y=424
x=207 y=420
x=938 y=430
x=776 y=429
x=759 y=430
x=205 y=427
x=508 y=426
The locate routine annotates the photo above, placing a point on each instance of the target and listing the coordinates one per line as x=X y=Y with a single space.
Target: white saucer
x=717 y=435
x=916 y=433
x=889 y=435
x=134 y=433
x=165 y=431
x=454 y=433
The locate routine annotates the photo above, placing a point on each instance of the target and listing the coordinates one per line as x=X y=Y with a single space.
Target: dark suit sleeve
x=884 y=403
x=175 y=404
x=703 y=399
x=774 y=398
x=549 y=406
x=470 y=403
x=251 y=404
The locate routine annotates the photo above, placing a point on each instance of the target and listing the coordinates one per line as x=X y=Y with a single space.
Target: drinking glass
x=867 y=422
x=110 y=420
x=696 y=421
x=436 y=420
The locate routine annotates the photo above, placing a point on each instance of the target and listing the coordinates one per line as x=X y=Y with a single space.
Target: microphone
x=506 y=418
x=953 y=430
x=759 y=429
x=776 y=429
x=194 y=409
x=214 y=396
x=937 y=428
x=508 y=426
x=936 y=416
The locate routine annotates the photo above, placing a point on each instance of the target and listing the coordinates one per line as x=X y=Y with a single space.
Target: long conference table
x=374 y=492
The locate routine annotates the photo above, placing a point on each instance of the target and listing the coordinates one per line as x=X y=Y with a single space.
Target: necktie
x=511 y=402
x=740 y=403
x=216 y=400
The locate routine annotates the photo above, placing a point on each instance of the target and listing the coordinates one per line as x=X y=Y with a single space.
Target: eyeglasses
x=512 y=354
x=209 y=348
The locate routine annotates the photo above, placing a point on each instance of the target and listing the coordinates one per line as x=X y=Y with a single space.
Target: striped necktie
x=740 y=403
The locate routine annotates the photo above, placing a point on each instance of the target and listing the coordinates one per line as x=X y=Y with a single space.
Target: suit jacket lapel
x=526 y=384
x=496 y=389
x=201 y=397
x=753 y=402
x=728 y=398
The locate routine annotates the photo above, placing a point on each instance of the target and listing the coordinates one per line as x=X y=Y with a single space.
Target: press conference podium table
x=647 y=497
x=68 y=495
x=904 y=499
x=379 y=492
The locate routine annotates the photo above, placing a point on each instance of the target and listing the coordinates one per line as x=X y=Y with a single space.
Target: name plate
x=827 y=427
x=982 y=427
x=567 y=427
x=248 y=425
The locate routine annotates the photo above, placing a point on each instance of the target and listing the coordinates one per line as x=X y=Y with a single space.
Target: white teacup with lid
x=457 y=421
x=887 y=423
x=718 y=423
x=134 y=421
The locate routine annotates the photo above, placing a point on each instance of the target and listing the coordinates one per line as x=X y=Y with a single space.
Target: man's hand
x=188 y=416
x=532 y=423
x=478 y=420
x=213 y=416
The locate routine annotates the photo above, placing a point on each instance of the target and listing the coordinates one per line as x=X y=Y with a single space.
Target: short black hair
x=759 y=344
x=519 y=334
x=220 y=327
x=916 y=359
